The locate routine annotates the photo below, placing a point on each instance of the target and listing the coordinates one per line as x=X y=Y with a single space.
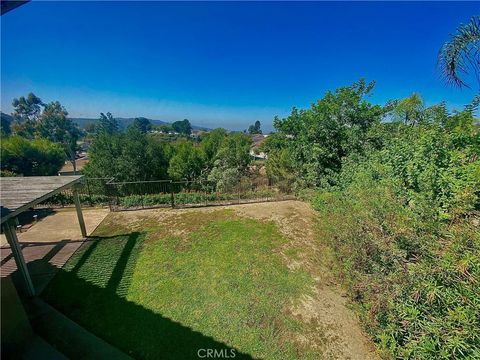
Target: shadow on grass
x=91 y=291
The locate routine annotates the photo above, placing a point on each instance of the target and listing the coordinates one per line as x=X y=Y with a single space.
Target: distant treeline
x=123 y=123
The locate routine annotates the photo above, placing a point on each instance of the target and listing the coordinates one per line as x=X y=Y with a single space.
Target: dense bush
x=403 y=228
x=231 y=162
x=134 y=155
x=414 y=279
x=186 y=163
x=127 y=156
x=31 y=157
x=144 y=200
x=436 y=165
x=65 y=199
x=311 y=143
x=399 y=205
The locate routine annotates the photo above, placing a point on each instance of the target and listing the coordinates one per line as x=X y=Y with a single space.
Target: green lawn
x=197 y=281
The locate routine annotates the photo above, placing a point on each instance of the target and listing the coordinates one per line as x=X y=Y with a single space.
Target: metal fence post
x=172 y=198
x=205 y=189
x=112 y=194
x=108 y=192
x=117 y=197
x=89 y=192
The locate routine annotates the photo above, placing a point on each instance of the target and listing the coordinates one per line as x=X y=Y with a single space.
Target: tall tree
x=182 y=127
x=232 y=161
x=255 y=128
x=335 y=126
x=127 y=156
x=210 y=145
x=56 y=127
x=107 y=124
x=409 y=110
x=142 y=124
x=460 y=53
x=26 y=112
x=187 y=163
x=27 y=108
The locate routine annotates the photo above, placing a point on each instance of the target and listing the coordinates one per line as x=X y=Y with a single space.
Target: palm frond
x=461 y=53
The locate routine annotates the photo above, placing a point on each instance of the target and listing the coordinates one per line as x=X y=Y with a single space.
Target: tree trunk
x=71 y=155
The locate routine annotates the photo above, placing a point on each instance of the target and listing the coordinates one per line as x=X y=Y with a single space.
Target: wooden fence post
x=78 y=208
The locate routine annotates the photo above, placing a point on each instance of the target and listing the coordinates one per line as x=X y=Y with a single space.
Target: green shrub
x=412 y=274
x=402 y=226
x=144 y=200
x=414 y=282
x=65 y=199
x=31 y=157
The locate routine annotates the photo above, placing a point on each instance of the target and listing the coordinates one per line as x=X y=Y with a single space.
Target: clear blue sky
x=222 y=64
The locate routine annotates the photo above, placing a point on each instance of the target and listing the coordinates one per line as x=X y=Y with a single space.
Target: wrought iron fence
x=92 y=192
x=168 y=193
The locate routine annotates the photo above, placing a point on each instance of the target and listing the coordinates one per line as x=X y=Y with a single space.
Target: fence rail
x=167 y=193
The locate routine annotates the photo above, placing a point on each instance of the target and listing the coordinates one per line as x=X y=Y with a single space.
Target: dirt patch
x=333 y=327
x=327 y=314
x=294 y=219
x=177 y=222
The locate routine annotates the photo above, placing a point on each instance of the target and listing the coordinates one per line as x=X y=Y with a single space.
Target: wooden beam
x=9 y=230
x=78 y=207
x=35 y=190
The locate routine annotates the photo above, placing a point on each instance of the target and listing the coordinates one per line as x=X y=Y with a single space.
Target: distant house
x=258 y=139
x=258 y=156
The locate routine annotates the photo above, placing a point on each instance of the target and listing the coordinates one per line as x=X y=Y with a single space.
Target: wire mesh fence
x=132 y=195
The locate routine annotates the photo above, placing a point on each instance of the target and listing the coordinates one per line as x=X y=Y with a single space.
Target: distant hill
x=83 y=122
x=124 y=122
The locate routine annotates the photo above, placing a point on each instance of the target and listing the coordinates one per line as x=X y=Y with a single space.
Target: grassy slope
x=161 y=294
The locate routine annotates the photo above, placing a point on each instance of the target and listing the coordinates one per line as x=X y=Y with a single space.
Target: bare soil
x=334 y=327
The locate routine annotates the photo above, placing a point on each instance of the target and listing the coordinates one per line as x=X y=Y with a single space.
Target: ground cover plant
x=164 y=289
x=413 y=282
